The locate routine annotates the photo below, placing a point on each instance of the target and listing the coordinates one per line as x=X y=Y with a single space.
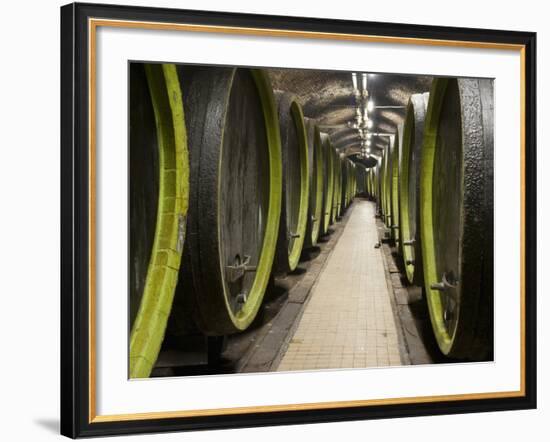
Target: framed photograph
x=275 y=220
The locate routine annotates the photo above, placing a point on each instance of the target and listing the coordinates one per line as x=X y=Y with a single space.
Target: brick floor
x=348 y=321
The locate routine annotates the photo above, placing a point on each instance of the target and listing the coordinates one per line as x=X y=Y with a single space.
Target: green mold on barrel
x=456 y=215
x=158 y=194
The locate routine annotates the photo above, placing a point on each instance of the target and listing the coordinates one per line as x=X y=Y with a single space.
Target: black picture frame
x=76 y=418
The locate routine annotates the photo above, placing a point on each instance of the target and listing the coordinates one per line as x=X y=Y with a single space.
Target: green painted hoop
x=148 y=330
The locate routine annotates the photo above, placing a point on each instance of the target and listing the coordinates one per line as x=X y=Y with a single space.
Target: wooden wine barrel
x=456 y=213
x=361 y=173
x=377 y=187
x=345 y=184
x=315 y=161
x=373 y=182
x=394 y=191
x=339 y=208
x=158 y=195
x=372 y=177
x=387 y=191
x=294 y=208
x=370 y=174
x=337 y=186
x=348 y=183
x=382 y=183
x=328 y=182
x=409 y=187
x=359 y=177
x=351 y=179
x=368 y=185
x=353 y=190
x=235 y=198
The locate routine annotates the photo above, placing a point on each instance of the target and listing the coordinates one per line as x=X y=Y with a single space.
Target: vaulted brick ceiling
x=327 y=97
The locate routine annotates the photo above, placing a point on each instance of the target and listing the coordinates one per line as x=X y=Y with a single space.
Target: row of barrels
x=229 y=182
x=434 y=192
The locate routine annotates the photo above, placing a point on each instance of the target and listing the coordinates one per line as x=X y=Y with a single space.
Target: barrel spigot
x=447 y=282
x=238 y=270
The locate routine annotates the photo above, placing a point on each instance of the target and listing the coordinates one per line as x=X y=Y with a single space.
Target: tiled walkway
x=348 y=321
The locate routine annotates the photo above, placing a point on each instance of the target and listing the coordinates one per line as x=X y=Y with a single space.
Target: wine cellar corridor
x=357 y=328
x=291 y=220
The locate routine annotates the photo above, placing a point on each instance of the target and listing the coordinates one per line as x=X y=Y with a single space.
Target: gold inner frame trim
x=93 y=24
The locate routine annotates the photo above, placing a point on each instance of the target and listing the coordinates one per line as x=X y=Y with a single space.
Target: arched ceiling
x=328 y=97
